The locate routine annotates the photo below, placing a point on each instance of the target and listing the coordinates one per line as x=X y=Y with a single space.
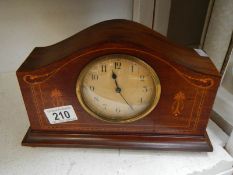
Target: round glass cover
x=118 y=88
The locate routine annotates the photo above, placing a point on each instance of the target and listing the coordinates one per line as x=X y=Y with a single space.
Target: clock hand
x=114 y=77
x=126 y=101
x=118 y=89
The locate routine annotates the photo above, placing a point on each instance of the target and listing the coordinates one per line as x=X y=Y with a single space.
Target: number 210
x=61 y=115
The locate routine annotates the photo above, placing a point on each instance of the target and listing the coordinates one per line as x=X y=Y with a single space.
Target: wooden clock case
x=189 y=83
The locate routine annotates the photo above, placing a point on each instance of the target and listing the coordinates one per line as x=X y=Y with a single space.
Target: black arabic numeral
x=145 y=88
x=94 y=77
x=103 y=68
x=118 y=110
x=67 y=114
x=117 y=65
x=92 y=88
x=141 y=77
x=56 y=116
x=60 y=113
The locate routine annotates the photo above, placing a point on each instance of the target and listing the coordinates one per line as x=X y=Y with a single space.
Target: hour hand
x=114 y=76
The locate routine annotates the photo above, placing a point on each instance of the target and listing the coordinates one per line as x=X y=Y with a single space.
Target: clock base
x=133 y=141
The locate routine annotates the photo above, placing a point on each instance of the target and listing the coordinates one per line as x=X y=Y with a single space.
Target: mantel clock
x=118 y=84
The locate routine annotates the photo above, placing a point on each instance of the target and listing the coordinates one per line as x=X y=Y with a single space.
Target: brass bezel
x=113 y=120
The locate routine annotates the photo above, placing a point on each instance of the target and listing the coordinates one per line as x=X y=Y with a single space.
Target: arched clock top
x=116 y=34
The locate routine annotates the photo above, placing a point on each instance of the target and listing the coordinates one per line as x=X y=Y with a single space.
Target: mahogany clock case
x=189 y=83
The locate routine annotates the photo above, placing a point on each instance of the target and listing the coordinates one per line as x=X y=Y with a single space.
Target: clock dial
x=118 y=88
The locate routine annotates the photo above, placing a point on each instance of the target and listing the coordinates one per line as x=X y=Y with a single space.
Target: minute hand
x=118 y=89
x=126 y=101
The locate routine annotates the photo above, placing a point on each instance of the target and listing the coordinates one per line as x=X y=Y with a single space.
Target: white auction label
x=60 y=114
x=201 y=52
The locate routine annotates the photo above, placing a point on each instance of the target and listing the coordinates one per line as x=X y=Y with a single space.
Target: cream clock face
x=118 y=88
